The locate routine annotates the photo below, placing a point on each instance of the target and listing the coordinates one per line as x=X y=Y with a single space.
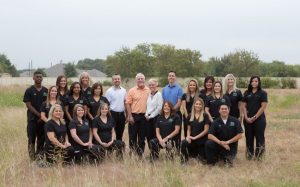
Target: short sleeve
x=183 y=98
x=244 y=99
x=207 y=101
x=264 y=96
x=43 y=107
x=180 y=92
x=227 y=100
x=105 y=100
x=72 y=125
x=49 y=127
x=177 y=120
x=157 y=123
x=206 y=118
x=95 y=123
x=129 y=97
x=239 y=128
x=239 y=95
x=212 y=129
x=26 y=97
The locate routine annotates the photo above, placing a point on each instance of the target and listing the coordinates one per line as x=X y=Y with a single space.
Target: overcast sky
x=47 y=31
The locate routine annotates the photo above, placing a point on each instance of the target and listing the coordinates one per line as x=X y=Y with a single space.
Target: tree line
x=156 y=60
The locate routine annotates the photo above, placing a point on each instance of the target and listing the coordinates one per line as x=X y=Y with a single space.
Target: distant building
x=5 y=75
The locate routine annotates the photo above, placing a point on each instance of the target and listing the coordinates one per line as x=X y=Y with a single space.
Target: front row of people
x=93 y=140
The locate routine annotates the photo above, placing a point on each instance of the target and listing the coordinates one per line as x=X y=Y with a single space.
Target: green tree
x=7 y=67
x=42 y=71
x=70 y=70
x=88 y=64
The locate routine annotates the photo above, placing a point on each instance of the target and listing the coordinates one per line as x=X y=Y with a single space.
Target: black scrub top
x=213 y=104
x=203 y=95
x=167 y=126
x=188 y=104
x=36 y=98
x=104 y=129
x=94 y=105
x=87 y=92
x=235 y=97
x=82 y=131
x=71 y=102
x=225 y=132
x=63 y=98
x=253 y=102
x=60 y=132
x=198 y=127
x=46 y=109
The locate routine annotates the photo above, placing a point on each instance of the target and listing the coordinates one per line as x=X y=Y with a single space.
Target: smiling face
x=171 y=78
x=57 y=113
x=53 y=92
x=76 y=89
x=166 y=108
x=192 y=86
x=80 y=112
x=152 y=86
x=224 y=111
x=104 y=110
x=97 y=91
x=38 y=78
x=116 y=80
x=85 y=80
x=217 y=88
x=209 y=84
x=230 y=82
x=198 y=106
x=140 y=81
x=63 y=82
x=254 y=83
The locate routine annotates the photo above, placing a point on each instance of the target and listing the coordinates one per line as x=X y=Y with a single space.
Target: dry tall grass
x=281 y=166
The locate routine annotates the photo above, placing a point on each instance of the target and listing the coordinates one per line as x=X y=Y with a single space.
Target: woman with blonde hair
x=52 y=98
x=57 y=146
x=85 y=82
x=198 y=125
x=235 y=96
x=187 y=100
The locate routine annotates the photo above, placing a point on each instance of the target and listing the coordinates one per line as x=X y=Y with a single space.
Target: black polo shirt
x=213 y=104
x=167 y=126
x=60 y=132
x=225 y=132
x=203 y=95
x=46 y=109
x=82 y=131
x=94 y=105
x=104 y=129
x=235 y=97
x=87 y=92
x=63 y=98
x=36 y=98
x=188 y=104
x=253 y=101
x=198 y=127
x=71 y=102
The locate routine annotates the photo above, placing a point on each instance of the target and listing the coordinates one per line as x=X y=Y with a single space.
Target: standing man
x=136 y=104
x=223 y=137
x=172 y=92
x=116 y=95
x=34 y=96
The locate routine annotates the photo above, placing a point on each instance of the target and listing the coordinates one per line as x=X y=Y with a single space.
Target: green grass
x=11 y=97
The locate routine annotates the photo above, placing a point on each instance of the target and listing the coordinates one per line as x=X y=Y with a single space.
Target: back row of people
x=142 y=107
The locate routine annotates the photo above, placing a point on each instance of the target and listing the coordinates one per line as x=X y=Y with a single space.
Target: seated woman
x=82 y=136
x=198 y=125
x=57 y=146
x=167 y=127
x=104 y=133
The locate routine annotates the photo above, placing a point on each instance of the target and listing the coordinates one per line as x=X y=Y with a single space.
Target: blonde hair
x=84 y=74
x=103 y=104
x=225 y=85
x=75 y=111
x=50 y=116
x=213 y=89
x=153 y=81
x=188 y=92
x=48 y=96
x=193 y=110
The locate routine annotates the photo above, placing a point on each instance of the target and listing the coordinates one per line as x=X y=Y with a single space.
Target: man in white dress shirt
x=116 y=96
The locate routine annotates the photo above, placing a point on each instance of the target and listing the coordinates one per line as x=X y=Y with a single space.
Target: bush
x=288 y=83
x=163 y=81
x=242 y=82
x=267 y=82
x=106 y=83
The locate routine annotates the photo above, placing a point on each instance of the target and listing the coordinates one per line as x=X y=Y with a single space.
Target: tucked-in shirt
x=167 y=126
x=104 y=129
x=137 y=98
x=253 y=101
x=116 y=97
x=172 y=93
x=235 y=97
x=36 y=98
x=154 y=104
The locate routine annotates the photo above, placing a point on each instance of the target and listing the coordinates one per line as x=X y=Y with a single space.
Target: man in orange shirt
x=136 y=103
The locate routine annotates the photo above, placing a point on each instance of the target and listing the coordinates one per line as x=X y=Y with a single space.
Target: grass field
x=281 y=166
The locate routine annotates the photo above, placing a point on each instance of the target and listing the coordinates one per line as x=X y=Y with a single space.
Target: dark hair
x=37 y=72
x=206 y=79
x=213 y=89
x=95 y=86
x=58 y=79
x=172 y=72
x=250 y=86
x=225 y=105
x=102 y=104
x=72 y=88
x=75 y=117
x=173 y=112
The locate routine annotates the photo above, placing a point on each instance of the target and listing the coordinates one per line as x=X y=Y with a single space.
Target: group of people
x=83 y=123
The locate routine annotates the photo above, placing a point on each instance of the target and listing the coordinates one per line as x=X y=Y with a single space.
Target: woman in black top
x=208 y=87
x=104 y=133
x=57 y=144
x=74 y=97
x=52 y=98
x=187 y=100
x=93 y=102
x=85 y=81
x=167 y=127
x=198 y=125
x=254 y=104
x=214 y=101
x=82 y=136
x=62 y=87
x=235 y=96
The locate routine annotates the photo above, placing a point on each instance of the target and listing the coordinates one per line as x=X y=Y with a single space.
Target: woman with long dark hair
x=62 y=87
x=208 y=87
x=254 y=105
